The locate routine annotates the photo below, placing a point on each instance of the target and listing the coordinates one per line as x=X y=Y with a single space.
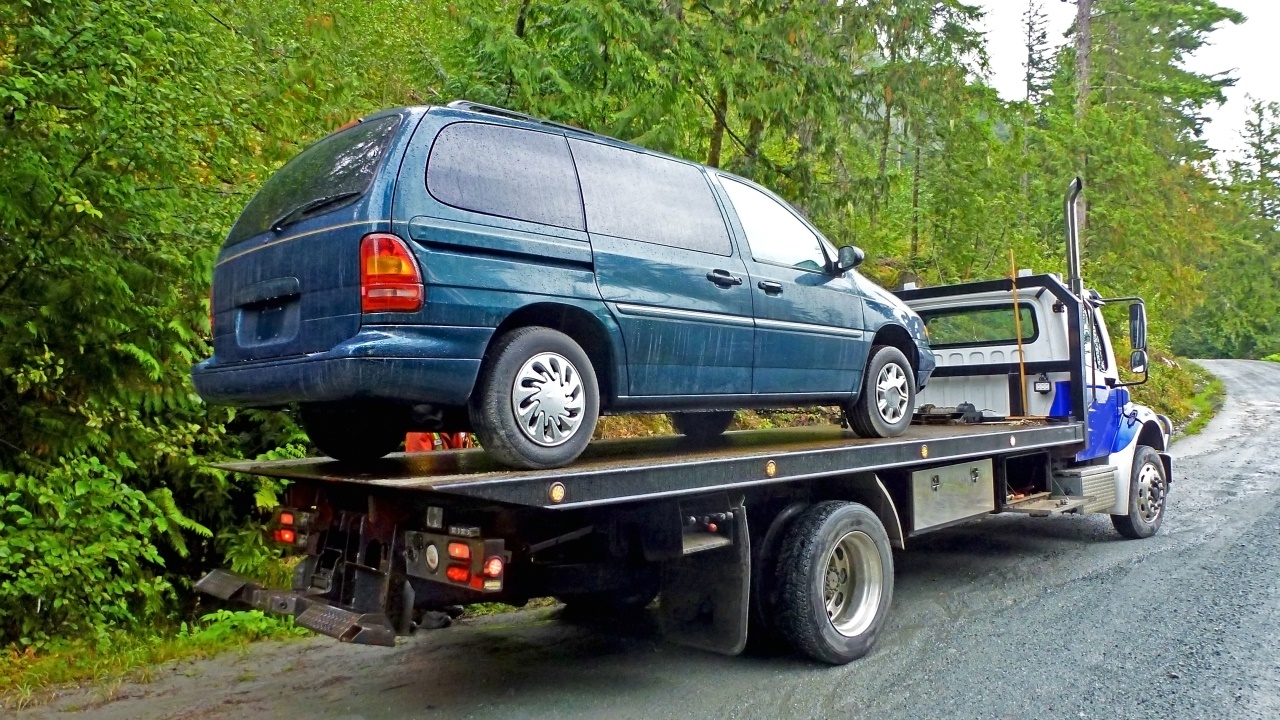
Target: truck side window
x=774 y=233
x=637 y=196
x=507 y=172
x=1095 y=341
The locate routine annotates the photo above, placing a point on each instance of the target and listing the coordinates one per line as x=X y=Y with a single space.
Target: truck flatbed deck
x=613 y=471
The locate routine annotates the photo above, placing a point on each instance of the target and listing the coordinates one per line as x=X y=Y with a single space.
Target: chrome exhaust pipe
x=1075 y=280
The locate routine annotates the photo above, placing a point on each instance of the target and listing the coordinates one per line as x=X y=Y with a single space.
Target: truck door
x=1101 y=375
x=809 y=320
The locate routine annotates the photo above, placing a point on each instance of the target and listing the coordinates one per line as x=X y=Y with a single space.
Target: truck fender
x=1139 y=426
x=867 y=489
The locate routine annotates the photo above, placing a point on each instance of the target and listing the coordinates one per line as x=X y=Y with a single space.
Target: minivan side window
x=774 y=233
x=632 y=195
x=505 y=171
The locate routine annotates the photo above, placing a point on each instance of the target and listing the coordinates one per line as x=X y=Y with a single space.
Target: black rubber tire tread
x=863 y=417
x=1132 y=525
x=356 y=434
x=490 y=407
x=701 y=427
x=801 y=617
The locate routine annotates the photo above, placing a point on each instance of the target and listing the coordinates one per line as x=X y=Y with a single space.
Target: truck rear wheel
x=536 y=402
x=353 y=434
x=702 y=426
x=888 y=397
x=835 y=582
x=1148 y=490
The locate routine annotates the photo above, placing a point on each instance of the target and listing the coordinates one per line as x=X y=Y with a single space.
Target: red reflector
x=389 y=277
x=286 y=518
x=458 y=573
x=493 y=567
x=459 y=551
x=285 y=536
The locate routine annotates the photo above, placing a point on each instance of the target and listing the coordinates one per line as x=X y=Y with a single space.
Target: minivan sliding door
x=666 y=266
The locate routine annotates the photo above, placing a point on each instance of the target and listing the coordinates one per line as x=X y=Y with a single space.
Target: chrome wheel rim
x=548 y=399
x=892 y=393
x=1151 y=493
x=853 y=583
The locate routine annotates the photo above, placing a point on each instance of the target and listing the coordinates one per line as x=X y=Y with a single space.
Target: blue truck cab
x=469 y=268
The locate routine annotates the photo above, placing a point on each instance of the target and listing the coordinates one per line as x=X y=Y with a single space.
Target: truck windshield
x=333 y=172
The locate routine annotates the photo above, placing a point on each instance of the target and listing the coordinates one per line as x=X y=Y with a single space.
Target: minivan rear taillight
x=389 y=277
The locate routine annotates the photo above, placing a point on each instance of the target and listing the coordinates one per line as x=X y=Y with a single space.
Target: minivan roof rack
x=503 y=112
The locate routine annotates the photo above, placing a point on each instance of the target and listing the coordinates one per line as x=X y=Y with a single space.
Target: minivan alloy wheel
x=892 y=395
x=547 y=399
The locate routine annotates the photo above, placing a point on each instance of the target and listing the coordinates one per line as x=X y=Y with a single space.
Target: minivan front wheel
x=537 y=401
x=888 y=397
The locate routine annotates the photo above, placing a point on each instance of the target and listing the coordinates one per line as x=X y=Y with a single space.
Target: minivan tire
x=353 y=434
x=529 y=355
x=886 y=366
x=702 y=427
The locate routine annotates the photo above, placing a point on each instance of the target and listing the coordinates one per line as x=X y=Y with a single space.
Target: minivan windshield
x=333 y=172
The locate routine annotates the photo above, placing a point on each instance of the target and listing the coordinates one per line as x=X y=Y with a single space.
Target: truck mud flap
x=310 y=612
x=705 y=594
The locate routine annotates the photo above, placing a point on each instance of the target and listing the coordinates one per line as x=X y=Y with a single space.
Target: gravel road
x=1009 y=617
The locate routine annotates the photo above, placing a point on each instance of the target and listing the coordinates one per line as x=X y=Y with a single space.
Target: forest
x=133 y=131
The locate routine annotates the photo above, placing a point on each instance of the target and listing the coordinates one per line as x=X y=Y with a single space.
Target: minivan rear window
x=507 y=172
x=341 y=166
x=633 y=195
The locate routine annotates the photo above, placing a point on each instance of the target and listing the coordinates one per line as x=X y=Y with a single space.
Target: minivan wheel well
x=578 y=324
x=898 y=337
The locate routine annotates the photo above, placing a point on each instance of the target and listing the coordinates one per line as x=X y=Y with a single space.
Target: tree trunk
x=1084 y=49
x=717 y=130
x=915 y=207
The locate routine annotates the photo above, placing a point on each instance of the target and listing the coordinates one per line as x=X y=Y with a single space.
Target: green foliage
x=28 y=677
x=132 y=131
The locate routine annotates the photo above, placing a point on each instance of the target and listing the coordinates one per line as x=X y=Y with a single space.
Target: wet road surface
x=1010 y=617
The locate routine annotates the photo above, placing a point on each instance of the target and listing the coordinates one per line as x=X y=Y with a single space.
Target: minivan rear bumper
x=406 y=364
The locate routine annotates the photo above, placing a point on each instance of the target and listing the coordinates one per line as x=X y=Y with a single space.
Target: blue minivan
x=469 y=268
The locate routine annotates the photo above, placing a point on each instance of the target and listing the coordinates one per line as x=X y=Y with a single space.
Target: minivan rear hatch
x=287 y=281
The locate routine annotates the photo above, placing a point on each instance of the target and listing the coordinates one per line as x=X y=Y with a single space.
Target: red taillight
x=493 y=567
x=389 y=277
x=459 y=551
x=285 y=536
x=286 y=518
x=458 y=573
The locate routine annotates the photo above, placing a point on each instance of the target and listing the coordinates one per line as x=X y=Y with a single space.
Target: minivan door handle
x=770 y=287
x=724 y=278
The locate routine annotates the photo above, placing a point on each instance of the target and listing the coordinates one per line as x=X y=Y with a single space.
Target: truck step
x=699 y=541
x=347 y=626
x=1097 y=482
x=1043 y=505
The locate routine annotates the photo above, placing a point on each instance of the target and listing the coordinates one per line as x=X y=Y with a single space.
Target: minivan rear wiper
x=307 y=208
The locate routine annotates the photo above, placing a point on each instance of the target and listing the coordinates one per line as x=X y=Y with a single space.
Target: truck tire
x=701 y=427
x=536 y=401
x=834 y=582
x=888 y=396
x=353 y=434
x=1148 y=490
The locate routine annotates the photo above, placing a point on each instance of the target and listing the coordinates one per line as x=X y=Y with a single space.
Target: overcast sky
x=1251 y=52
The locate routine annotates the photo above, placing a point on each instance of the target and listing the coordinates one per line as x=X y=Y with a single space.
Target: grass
x=1205 y=404
x=29 y=677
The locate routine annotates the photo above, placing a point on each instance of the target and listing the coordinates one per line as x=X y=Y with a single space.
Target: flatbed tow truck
x=777 y=534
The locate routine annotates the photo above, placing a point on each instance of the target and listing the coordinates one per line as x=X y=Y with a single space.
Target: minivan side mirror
x=1138 y=326
x=849 y=257
x=1138 y=362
